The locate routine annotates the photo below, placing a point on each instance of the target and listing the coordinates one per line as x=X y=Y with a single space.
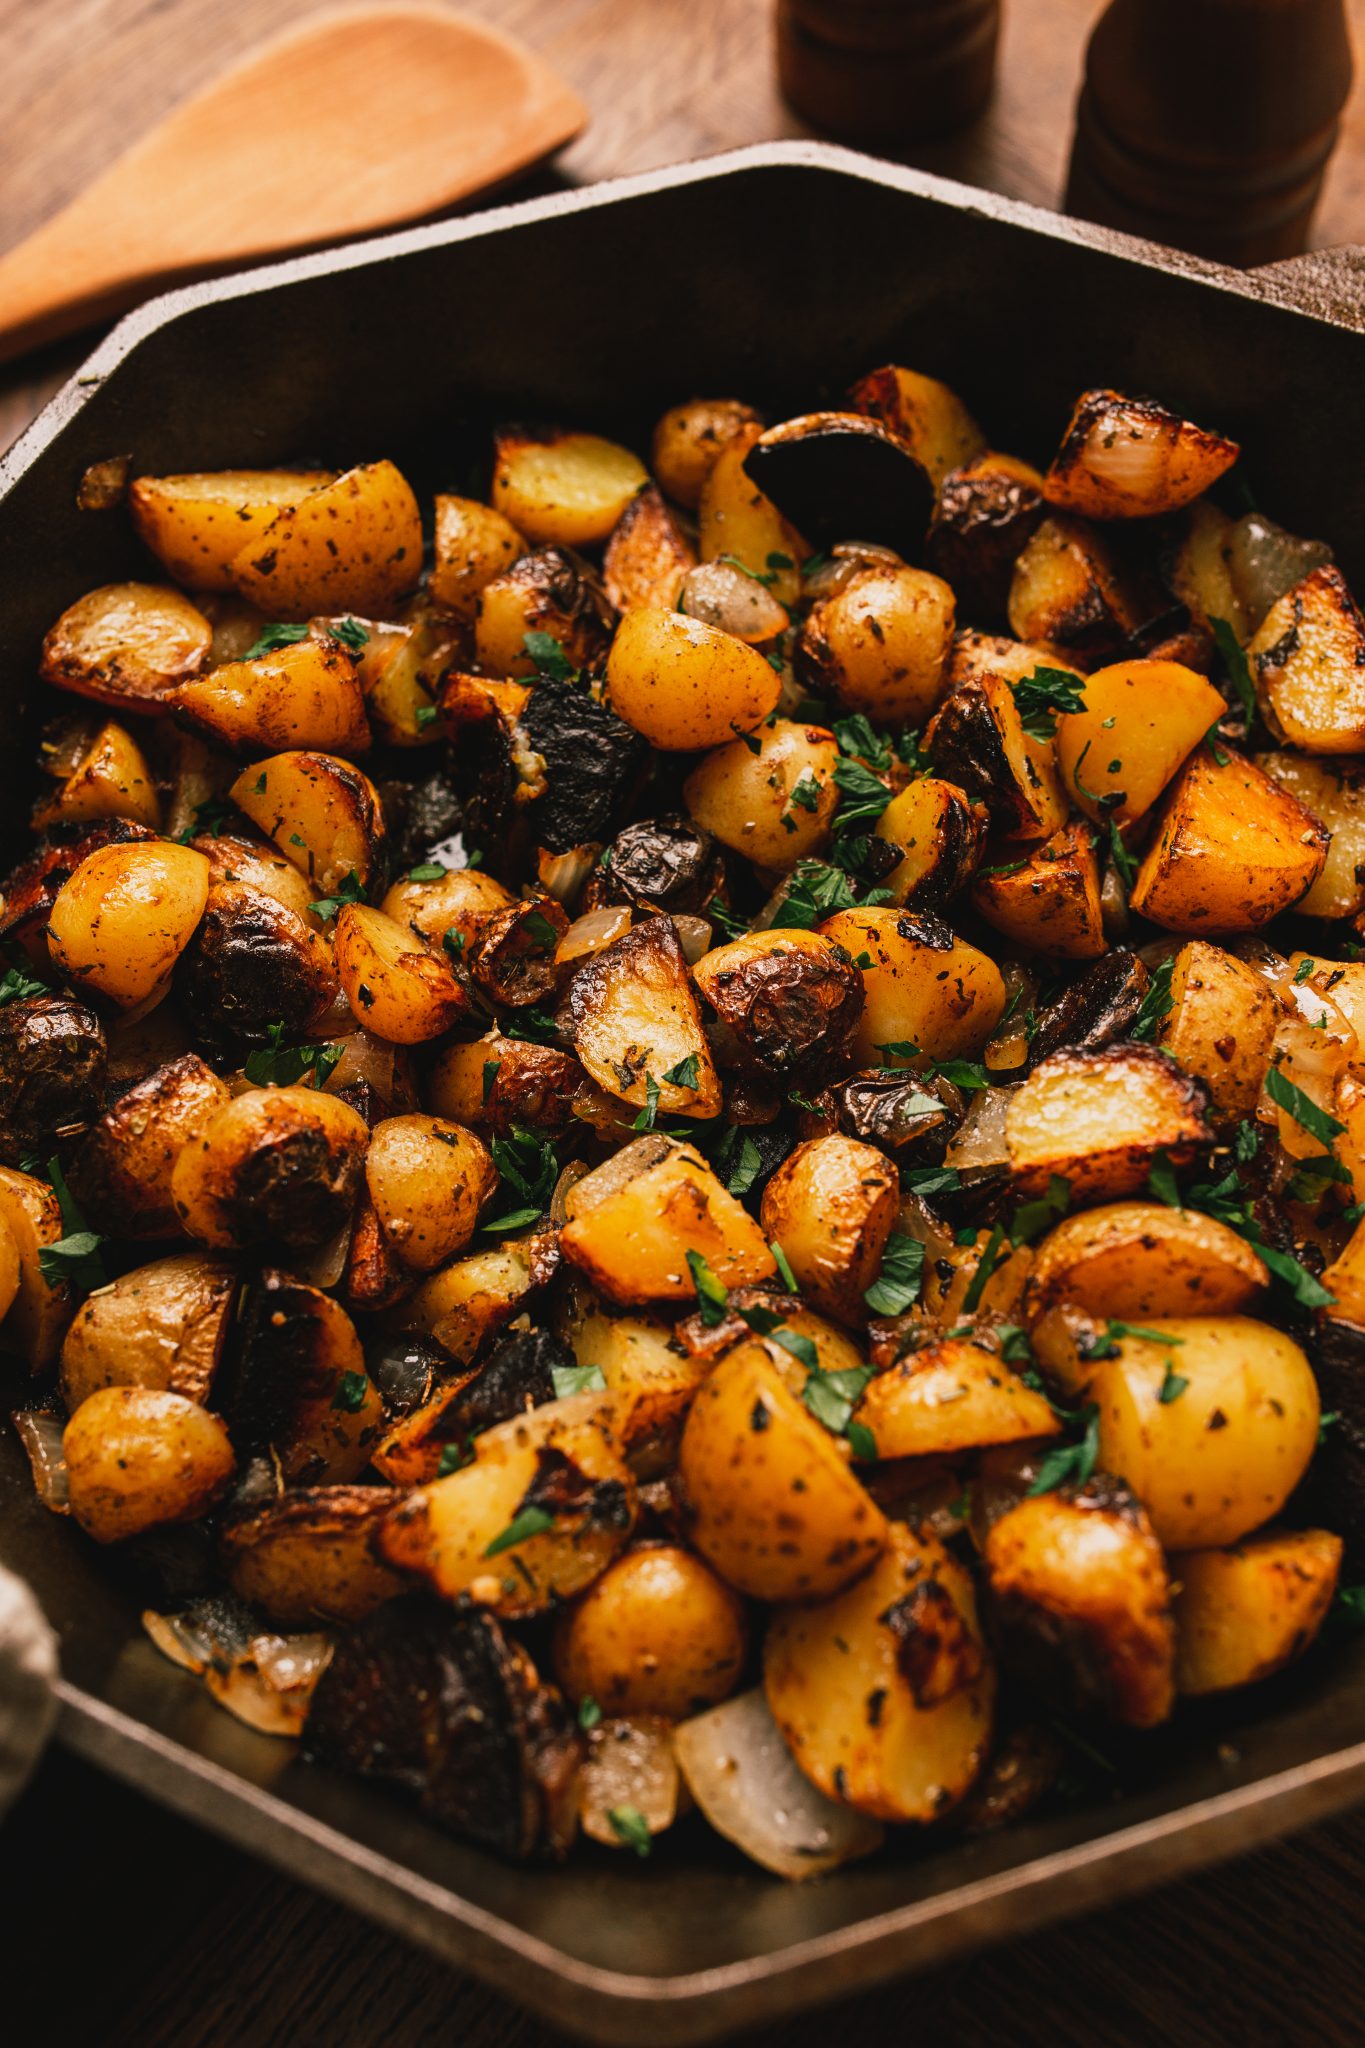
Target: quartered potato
x=978 y=741
x=1048 y=899
x=308 y=1558
x=782 y=1005
x=1231 y=850
x=140 y=1456
x=121 y=922
x=632 y=1222
x=199 y=524
x=474 y=543
x=40 y=1300
x=929 y=417
x=550 y=591
x=953 y=1396
x=689 y=439
x=396 y=986
x=1333 y=792
x=1141 y=720
x=880 y=645
x=273 y=1166
x=352 y=545
x=921 y=985
x=648 y=554
x=771 y=795
x=735 y=520
x=1135 y=1260
x=1068 y=589
x=128 y=645
x=1220 y=1026
x=304 y=695
x=322 y=813
x=1102 y=1121
x=831 y=1206
x=636 y=1027
x=1243 y=1613
x=565 y=488
x=938 y=832
x=162 y=1326
x=109 y=778
x=1308 y=657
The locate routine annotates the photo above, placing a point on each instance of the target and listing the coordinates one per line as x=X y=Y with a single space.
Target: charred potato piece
x=789 y=1001
x=591 y=762
x=632 y=1222
x=296 y=1389
x=1244 y=1613
x=126 y=644
x=689 y=438
x=514 y=957
x=658 y=1633
x=428 y=1179
x=769 y=795
x=881 y=643
x=1048 y=902
x=321 y=812
x=519 y=1374
x=1100 y=1119
x=53 y=1063
x=253 y=964
x=633 y=1020
x=396 y=986
x=1231 y=850
x=196 y=524
x=1200 y=571
x=1133 y=1260
x=560 y=487
x=39 y=1308
x=275 y=1166
x=1308 y=658
x=1220 y=1026
x=1333 y=792
x=304 y=695
x=736 y=520
x=162 y=1326
x=122 y=920
x=1101 y=1005
x=1081 y=1601
x=495 y=1083
x=831 y=1206
x=776 y=1509
x=650 y=1374
x=255 y=864
x=682 y=684
x=462 y=1304
x=891 y=1108
x=121 y=1172
x=473 y=545
x=1067 y=589
x=108 y=778
x=921 y=986
x=545 y=1506
x=1128 y=458
x=550 y=591
x=951 y=1397
x=986 y=512
x=977 y=741
x=352 y=545
x=885 y=1694
x=647 y=555
x=937 y=831
x=924 y=413
x=137 y=1457
x=307 y=1558
x=1141 y=720
x=836 y=473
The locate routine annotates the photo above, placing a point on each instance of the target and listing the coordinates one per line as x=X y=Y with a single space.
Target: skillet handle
x=1327 y=282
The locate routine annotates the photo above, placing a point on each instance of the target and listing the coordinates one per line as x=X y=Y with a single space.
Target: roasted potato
x=252 y=970
x=162 y=1326
x=1100 y=1120
x=736 y=520
x=938 y=832
x=1067 y=590
x=1220 y=1026
x=1128 y=458
x=40 y=1301
x=978 y=742
x=1049 y=900
x=474 y=544
x=1333 y=792
x=683 y=684
x=306 y=1557
x=307 y=694
x=549 y=591
x=769 y=795
x=428 y=1179
x=462 y=1304
x=648 y=554
x=650 y=1374
x=296 y=1390
x=789 y=1002
x=1244 y=1613
x=127 y=644
x=634 y=1023
x=494 y=1083
x=460 y=901
x=658 y=1633
x=322 y=813
x=831 y=1206
x=140 y=1456
x=688 y=439
x=121 y=1171
x=953 y=1396
x=986 y=511
x=1141 y=720
x=929 y=417
x=1231 y=850
x=396 y=986
x=352 y=545
x=570 y=489
x=122 y=920
x=881 y=643
x=632 y=1222
x=1308 y=657
x=1134 y=1260
x=107 y=778
x=275 y=1166
x=921 y=985
x=196 y=525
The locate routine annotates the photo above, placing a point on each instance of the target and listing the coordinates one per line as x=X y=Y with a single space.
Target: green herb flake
x=712 y=1298
x=645 y=1120
x=1071 y=1464
x=1235 y=664
x=589 y=1713
x=985 y=1266
x=1301 y=1107
x=631 y=1828
x=16 y=986
x=427 y=871
x=1162 y=1183
x=453 y=1458
x=277 y=1065
x=529 y=1522
x=898 y=1283
x=275 y=636
x=548 y=656
x=686 y=1073
x=1040 y=698
x=1172 y=1386
x=350 y=1392
x=788 y=1278
x=1031 y=1219
x=806 y=792
x=577 y=1379
x=348 y=890
x=1157 y=1002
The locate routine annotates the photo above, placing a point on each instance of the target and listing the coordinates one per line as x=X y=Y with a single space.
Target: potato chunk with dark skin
x=53 y=1061
x=789 y=1000
x=252 y=964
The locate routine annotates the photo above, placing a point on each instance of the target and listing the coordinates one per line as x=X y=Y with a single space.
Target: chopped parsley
x=1301 y=1107
x=273 y=637
x=1071 y=1464
x=530 y=1167
x=627 y=1823
x=577 y=1379
x=348 y=890
x=898 y=1283
x=277 y=1065
x=548 y=656
x=1041 y=697
x=16 y=986
x=645 y=1120
x=1236 y=667
x=789 y=1280
x=712 y=1298
x=686 y=1073
x=427 y=871
x=1156 y=1003
x=530 y=1521
x=589 y=1713
x=985 y=1266
x=350 y=1392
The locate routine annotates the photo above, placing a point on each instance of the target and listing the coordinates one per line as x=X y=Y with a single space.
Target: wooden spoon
x=350 y=122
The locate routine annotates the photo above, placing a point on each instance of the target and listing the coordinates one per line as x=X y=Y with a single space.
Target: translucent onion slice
x=562 y=875
x=40 y=1433
x=629 y=1768
x=694 y=936
x=979 y=1146
x=730 y=598
x=263 y=1680
x=1265 y=562
x=742 y=1776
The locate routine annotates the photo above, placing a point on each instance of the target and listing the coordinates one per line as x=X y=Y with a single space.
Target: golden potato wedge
x=493 y=1083
x=303 y=695
x=474 y=544
x=1099 y=1119
x=1134 y=1260
x=632 y=1222
x=1231 y=850
x=560 y=487
x=1244 y=1613
x=109 y=778
x=139 y=1456
x=658 y=1633
x=1308 y=659
x=776 y=1508
x=162 y=1325
x=1333 y=792
x=648 y=554
x=1081 y=1598
x=515 y=959
x=545 y=1506
x=651 y=1376
x=951 y=1271
x=275 y=1166
x=787 y=1001
x=551 y=591
x=920 y=985
x=197 y=524
x=352 y=545
x=951 y=1397
x=925 y=413
x=464 y=1303
x=885 y=1693
x=636 y=1027
x=126 y=644
x=770 y=795
x=1048 y=901
x=40 y=1307
x=322 y=813
x=400 y=674
x=1067 y=589
x=1201 y=569
x=1220 y=1026
x=737 y=520
x=938 y=832
x=881 y=643
x=831 y=1205
x=396 y=986
x=122 y=920
x=978 y=742
x=306 y=1557
x=1223 y=1453
x=629 y=1766
x=1141 y=720
x=685 y=685
x=428 y=1179
x=1128 y=458
x=688 y=439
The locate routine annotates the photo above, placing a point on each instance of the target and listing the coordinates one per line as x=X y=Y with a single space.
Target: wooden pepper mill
x=1209 y=123
x=887 y=72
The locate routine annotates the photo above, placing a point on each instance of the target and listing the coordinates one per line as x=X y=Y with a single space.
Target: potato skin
x=461 y=903
x=658 y=1633
x=395 y=986
x=831 y=1206
x=39 y=1309
x=140 y=1456
x=1133 y=1260
x=273 y=1166
x=775 y=1507
x=1243 y=1613
x=126 y=915
x=53 y=1064
x=162 y=1326
x=110 y=779
x=1232 y=849
x=322 y=812
x=126 y=644
x=304 y=695
x=549 y=591
x=121 y=1173
x=306 y=1557
x=1100 y=1118
x=1051 y=903
x=881 y=644
x=744 y=798
x=560 y=487
x=950 y=1397
x=196 y=523
x=884 y=1694
x=648 y=554
x=632 y=1222
x=428 y=1180
x=790 y=1001
x=492 y=1083
x=1308 y=657
x=474 y=544
x=1220 y=1026
x=352 y=545
x=252 y=964
x=689 y=438
x=683 y=684
x=922 y=984
x=938 y=832
x=632 y=1016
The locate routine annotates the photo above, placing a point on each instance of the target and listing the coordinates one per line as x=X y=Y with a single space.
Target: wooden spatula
x=350 y=122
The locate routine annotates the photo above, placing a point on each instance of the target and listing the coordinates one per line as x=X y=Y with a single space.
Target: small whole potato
x=460 y=902
x=831 y=1206
x=428 y=1180
x=139 y=1456
x=683 y=684
x=274 y=1166
x=658 y=1633
x=122 y=920
x=774 y=805
x=688 y=440
x=473 y=545
x=881 y=644
x=550 y=591
x=396 y=988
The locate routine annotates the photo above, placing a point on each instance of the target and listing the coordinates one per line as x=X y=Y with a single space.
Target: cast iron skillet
x=776 y=273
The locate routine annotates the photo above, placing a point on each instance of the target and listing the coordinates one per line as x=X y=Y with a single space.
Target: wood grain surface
x=125 y=1928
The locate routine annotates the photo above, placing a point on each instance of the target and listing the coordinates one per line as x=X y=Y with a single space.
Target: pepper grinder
x=1209 y=123
x=887 y=72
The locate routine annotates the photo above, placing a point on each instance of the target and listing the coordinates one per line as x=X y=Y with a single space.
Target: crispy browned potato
x=1100 y=1120
x=515 y=957
x=493 y=1083
x=464 y=1303
x=307 y=1557
x=1308 y=657
x=321 y=812
x=831 y=1205
x=1220 y=1026
x=1200 y=569
x=651 y=1375
x=929 y=417
x=296 y=1390
x=108 y=777
x=127 y=644
x=161 y=1326
x=938 y=832
x=1081 y=1600
x=689 y=438
x=1244 y=1613
x=54 y=1065
x=921 y=985
x=352 y=545
x=987 y=510
x=977 y=741
x=197 y=524
x=275 y=1166
x=1047 y=901
x=251 y=967
x=658 y=1633
x=1333 y=792
x=1128 y=458
x=683 y=684
x=461 y=901
x=885 y=1694
x=473 y=545
x=951 y=1397
x=306 y=694
x=564 y=488
x=551 y=591
x=1141 y=720
x=39 y=1307
x=789 y=1002
x=648 y=554
x=1067 y=589
x=635 y=1025
x=140 y=1456
x=121 y=1173
x=1232 y=849
x=1132 y=1260
x=396 y=985
x=632 y=1222
x=123 y=919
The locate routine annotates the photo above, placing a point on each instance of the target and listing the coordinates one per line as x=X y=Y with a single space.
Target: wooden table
x=123 y=1926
